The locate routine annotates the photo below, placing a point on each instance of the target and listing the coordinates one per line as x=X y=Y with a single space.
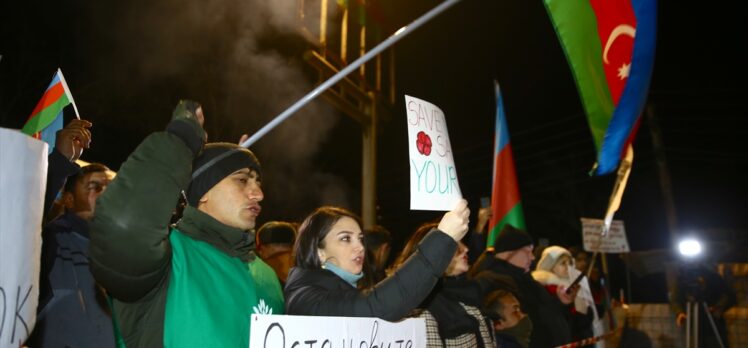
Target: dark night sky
x=128 y=63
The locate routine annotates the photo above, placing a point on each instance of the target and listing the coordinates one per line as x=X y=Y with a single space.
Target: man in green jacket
x=196 y=283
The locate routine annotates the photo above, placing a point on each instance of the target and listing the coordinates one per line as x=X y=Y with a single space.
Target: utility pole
x=664 y=173
x=363 y=97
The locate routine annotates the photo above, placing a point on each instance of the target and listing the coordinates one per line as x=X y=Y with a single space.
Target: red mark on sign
x=423 y=143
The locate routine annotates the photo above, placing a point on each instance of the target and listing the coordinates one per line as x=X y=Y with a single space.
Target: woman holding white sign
x=453 y=317
x=329 y=253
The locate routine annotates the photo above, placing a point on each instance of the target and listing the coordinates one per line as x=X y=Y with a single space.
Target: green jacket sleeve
x=129 y=246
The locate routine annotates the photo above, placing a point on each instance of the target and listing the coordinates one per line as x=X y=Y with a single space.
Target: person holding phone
x=557 y=273
x=512 y=256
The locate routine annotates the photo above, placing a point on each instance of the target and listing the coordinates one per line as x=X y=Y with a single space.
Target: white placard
x=433 y=176
x=270 y=331
x=614 y=242
x=23 y=175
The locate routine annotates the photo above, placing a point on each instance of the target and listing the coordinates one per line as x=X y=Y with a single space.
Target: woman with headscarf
x=556 y=269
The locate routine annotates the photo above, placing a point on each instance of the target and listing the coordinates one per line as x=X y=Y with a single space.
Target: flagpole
x=69 y=94
x=402 y=32
x=614 y=203
x=624 y=169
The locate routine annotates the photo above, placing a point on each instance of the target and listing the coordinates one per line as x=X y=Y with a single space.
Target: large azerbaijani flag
x=505 y=201
x=610 y=46
x=47 y=117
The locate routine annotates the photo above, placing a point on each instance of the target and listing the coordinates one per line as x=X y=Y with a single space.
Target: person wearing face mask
x=512 y=256
x=502 y=307
x=330 y=255
x=556 y=270
x=451 y=311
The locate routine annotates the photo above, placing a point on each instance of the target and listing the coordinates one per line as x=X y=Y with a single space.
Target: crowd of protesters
x=123 y=264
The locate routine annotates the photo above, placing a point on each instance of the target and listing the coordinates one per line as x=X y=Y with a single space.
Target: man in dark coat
x=512 y=256
x=195 y=283
x=72 y=309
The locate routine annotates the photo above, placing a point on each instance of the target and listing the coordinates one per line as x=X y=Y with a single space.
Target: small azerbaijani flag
x=46 y=119
x=610 y=46
x=505 y=201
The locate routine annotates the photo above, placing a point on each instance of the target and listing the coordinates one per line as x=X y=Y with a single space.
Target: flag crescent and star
x=612 y=69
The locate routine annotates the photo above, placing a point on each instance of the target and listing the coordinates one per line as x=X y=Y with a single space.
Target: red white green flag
x=610 y=47
x=505 y=201
x=46 y=118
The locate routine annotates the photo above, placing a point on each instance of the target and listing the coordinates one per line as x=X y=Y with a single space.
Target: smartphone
x=485 y=202
x=574 y=283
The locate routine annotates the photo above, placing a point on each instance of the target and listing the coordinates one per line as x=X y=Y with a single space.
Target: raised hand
x=567 y=297
x=71 y=140
x=243 y=138
x=484 y=215
x=200 y=116
x=455 y=222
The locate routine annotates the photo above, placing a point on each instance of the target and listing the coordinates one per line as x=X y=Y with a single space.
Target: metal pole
x=344 y=34
x=688 y=324
x=713 y=325
x=323 y=26
x=402 y=32
x=369 y=167
x=362 y=47
x=695 y=324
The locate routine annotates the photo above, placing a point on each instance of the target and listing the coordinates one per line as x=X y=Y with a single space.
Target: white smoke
x=222 y=53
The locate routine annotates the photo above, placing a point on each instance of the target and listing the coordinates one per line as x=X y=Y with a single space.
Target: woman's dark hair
x=312 y=234
x=413 y=242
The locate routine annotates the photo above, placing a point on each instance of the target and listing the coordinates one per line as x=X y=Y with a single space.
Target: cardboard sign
x=23 y=178
x=270 y=331
x=614 y=242
x=433 y=176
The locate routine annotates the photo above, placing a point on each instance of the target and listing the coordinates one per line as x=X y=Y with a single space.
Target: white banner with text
x=294 y=331
x=614 y=242
x=23 y=178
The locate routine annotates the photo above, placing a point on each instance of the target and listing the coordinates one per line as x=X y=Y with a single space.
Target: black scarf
x=444 y=304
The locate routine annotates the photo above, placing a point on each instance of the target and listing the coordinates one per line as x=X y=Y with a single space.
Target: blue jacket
x=72 y=311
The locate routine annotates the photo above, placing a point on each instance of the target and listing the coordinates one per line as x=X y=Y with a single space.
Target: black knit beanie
x=217 y=161
x=511 y=238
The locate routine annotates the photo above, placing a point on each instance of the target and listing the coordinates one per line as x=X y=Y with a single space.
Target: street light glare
x=689 y=247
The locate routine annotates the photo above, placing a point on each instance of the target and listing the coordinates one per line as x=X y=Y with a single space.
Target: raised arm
x=129 y=247
x=69 y=145
x=398 y=294
x=391 y=299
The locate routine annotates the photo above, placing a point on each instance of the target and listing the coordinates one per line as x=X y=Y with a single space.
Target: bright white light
x=689 y=247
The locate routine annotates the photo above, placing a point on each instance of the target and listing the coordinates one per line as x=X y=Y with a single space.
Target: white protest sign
x=270 y=331
x=23 y=176
x=433 y=177
x=614 y=242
